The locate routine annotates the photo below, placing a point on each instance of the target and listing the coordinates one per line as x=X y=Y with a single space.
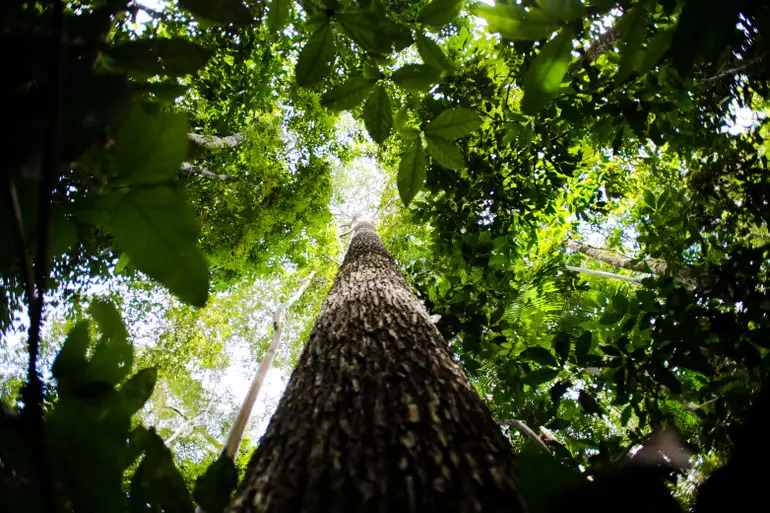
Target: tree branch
x=603 y=274
x=215 y=142
x=527 y=431
x=235 y=435
x=195 y=170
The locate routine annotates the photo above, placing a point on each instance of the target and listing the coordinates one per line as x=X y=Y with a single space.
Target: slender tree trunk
x=645 y=266
x=378 y=416
x=244 y=413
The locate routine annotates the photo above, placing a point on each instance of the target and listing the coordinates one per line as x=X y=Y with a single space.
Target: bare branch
x=239 y=425
x=603 y=274
x=527 y=431
x=195 y=170
x=215 y=142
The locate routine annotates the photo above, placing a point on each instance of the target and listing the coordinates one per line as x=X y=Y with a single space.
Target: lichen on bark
x=377 y=415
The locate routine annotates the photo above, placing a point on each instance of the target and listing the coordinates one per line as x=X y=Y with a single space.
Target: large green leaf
x=158 y=231
x=513 y=22
x=432 y=54
x=135 y=392
x=445 y=152
x=149 y=148
x=113 y=355
x=453 y=123
x=540 y=355
x=439 y=12
x=632 y=28
x=411 y=172
x=172 y=56
x=316 y=58
x=564 y=10
x=219 y=11
x=367 y=30
x=278 y=15
x=349 y=94
x=543 y=79
x=418 y=77
x=214 y=488
x=378 y=115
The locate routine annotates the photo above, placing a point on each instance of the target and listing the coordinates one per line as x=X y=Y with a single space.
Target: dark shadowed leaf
x=445 y=152
x=349 y=94
x=378 y=115
x=543 y=79
x=72 y=356
x=540 y=355
x=157 y=485
x=541 y=478
x=540 y=376
x=564 y=10
x=453 y=123
x=417 y=77
x=173 y=56
x=432 y=54
x=439 y=12
x=316 y=58
x=158 y=231
x=278 y=15
x=149 y=148
x=113 y=355
x=214 y=488
x=224 y=12
x=513 y=22
x=135 y=392
x=411 y=172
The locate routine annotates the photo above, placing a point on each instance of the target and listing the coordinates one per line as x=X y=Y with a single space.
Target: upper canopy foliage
x=516 y=135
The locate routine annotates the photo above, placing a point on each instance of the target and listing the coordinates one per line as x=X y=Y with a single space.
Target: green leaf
x=149 y=148
x=411 y=172
x=157 y=484
x=540 y=355
x=135 y=392
x=610 y=318
x=563 y=10
x=620 y=303
x=513 y=22
x=224 y=12
x=445 y=152
x=582 y=346
x=453 y=123
x=632 y=27
x=542 y=478
x=113 y=355
x=543 y=79
x=378 y=115
x=162 y=91
x=278 y=15
x=655 y=50
x=215 y=487
x=625 y=415
x=439 y=12
x=349 y=94
x=649 y=198
x=72 y=356
x=368 y=30
x=158 y=231
x=540 y=376
x=174 y=56
x=432 y=54
x=417 y=77
x=561 y=344
x=316 y=58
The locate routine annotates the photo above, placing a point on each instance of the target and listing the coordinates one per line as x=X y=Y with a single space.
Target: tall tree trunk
x=644 y=266
x=377 y=415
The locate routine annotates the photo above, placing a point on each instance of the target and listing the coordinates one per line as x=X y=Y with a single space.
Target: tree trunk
x=378 y=416
x=603 y=274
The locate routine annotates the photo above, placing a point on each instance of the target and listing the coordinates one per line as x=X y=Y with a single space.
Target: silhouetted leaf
x=220 y=11
x=316 y=58
x=411 y=172
x=215 y=487
x=445 y=152
x=378 y=115
x=543 y=79
x=418 y=77
x=173 y=56
x=349 y=94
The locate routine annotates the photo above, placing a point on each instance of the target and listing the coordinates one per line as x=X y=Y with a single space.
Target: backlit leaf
x=453 y=123
x=378 y=115
x=445 y=152
x=411 y=172
x=316 y=58
x=543 y=79
x=349 y=94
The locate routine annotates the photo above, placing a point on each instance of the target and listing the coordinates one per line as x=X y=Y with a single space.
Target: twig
x=733 y=71
x=527 y=431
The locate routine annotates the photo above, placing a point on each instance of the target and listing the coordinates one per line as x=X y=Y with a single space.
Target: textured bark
x=377 y=416
x=215 y=142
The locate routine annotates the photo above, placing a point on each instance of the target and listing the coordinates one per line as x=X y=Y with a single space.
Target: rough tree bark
x=377 y=415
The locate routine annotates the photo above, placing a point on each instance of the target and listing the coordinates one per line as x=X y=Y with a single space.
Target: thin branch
x=527 y=431
x=195 y=170
x=737 y=69
x=21 y=241
x=603 y=274
x=235 y=435
x=216 y=142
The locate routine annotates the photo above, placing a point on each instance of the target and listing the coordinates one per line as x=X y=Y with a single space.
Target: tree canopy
x=577 y=190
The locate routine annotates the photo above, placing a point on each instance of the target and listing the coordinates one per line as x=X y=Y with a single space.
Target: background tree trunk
x=377 y=415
